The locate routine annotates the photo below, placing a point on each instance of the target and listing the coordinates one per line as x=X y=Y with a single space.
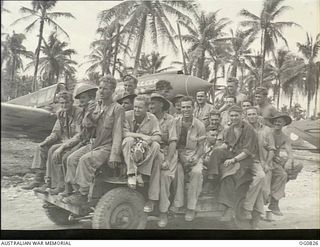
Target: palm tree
x=106 y=48
x=39 y=14
x=141 y=17
x=253 y=75
x=56 y=60
x=240 y=42
x=12 y=53
x=292 y=77
x=152 y=63
x=202 y=35
x=266 y=24
x=280 y=63
x=310 y=51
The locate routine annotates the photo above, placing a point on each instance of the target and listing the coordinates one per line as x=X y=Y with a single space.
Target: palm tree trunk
x=183 y=58
x=66 y=80
x=214 y=82
x=201 y=64
x=140 y=41
x=263 y=49
x=116 y=49
x=291 y=99
x=34 y=84
x=234 y=71
x=278 y=93
x=316 y=107
x=13 y=67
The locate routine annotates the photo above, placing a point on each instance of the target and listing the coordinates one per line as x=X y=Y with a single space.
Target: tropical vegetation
x=128 y=40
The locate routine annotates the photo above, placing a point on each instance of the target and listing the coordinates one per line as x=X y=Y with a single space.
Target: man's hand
x=184 y=161
x=42 y=144
x=91 y=106
x=147 y=139
x=288 y=163
x=277 y=159
x=113 y=164
x=229 y=162
x=57 y=154
x=165 y=165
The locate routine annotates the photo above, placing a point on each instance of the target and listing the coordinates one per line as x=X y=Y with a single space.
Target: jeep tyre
x=120 y=208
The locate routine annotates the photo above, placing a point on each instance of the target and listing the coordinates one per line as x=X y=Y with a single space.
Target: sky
x=82 y=29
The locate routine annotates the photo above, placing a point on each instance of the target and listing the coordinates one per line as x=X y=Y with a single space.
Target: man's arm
x=117 y=134
x=54 y=136
x=173 y=138
x=200 y=147
x=288 y=149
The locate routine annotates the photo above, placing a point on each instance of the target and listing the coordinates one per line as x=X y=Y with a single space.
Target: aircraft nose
x=194 y=84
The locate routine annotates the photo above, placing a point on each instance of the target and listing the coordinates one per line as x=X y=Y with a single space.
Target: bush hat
x=286 y=117
x=166 y=102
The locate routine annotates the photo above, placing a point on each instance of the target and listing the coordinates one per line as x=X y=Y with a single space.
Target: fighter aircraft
x=33 y=114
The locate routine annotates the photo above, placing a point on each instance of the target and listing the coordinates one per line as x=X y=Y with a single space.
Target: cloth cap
x=124 y=95
x=163 y=83
x=262 y=90
x=176 y=98
x=235 y=108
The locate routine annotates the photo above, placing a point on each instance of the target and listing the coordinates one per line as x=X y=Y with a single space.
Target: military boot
x=44 y=188
x=36 y=182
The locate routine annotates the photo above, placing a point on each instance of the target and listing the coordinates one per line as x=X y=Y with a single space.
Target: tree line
x=210 y=50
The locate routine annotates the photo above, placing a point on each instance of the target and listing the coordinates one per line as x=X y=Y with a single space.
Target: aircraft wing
x=33 y=122
x=304 y=134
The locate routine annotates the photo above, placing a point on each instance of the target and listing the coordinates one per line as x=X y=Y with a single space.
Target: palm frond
x=249 y=15
x=55 y=15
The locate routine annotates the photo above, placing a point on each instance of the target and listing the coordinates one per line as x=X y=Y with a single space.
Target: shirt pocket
x=108 y=121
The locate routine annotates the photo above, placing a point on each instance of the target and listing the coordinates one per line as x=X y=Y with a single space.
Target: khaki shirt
x=66 y=126
x=202 y=113
x=149 y=126
x=196 y=132
x=168 y=130
x=265 y=142
x=109 y=130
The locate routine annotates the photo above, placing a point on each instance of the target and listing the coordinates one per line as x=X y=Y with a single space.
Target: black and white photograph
x=160 y=115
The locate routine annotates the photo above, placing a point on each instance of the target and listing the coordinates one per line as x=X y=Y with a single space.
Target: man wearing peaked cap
x=235 y=108
x=176 y=100
x=126 y=100
x=63 y=130
x=202 y=108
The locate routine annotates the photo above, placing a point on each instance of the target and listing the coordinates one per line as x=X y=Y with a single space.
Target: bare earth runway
x=21 y=210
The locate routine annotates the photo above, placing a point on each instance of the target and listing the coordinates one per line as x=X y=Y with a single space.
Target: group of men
x=185 y=147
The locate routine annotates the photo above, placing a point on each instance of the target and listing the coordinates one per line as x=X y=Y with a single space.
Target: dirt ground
x=21 y=210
